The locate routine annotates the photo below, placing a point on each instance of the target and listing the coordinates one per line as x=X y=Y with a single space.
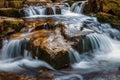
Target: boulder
x=47 y=45
x=51 y=47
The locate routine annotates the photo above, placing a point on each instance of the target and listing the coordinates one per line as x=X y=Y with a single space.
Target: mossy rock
x=113 y=5
x=14 y=25
x=10 y=12
x=14 y=4
x=114 y=20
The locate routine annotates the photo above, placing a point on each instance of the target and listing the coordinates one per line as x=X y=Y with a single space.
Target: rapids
x=103 y=56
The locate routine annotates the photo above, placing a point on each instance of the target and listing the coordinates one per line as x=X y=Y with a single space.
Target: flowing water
x=100 y=50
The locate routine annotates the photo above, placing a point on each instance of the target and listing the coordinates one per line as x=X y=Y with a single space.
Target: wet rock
x=49 y=11
x=58 y=10
x=51 y=47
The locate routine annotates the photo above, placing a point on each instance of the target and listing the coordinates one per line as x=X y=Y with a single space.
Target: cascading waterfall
x=40 y=10
x=93 y=42
x=103 y=45
x=76 y=8
x=13 y=49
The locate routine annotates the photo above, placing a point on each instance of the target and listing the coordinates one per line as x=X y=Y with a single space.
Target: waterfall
x=15 y=58
x=94 y=41
x=13 y=48
x=77 y=7
x=74 y=56
x=91 y=43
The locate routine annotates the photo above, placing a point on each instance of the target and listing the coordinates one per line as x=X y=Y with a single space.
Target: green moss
x=13 y=25
x=108 y=18
x=14 y=4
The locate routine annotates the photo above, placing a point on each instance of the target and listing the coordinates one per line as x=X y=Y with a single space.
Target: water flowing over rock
x=63 y=38
x=50 y=47
x=54 y=9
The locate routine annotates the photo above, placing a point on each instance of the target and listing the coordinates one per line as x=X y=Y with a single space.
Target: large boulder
x=47 y=45
x=51 y=47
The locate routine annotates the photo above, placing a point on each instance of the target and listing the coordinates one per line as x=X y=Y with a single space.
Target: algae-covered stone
x=12 y=25
x=13 y=3
x=10 y=12
x=114 y=20
x=113 y=5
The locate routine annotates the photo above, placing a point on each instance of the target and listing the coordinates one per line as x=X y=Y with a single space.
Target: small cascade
x=74 y=56
x=13 y=48
x=40 y=10
x=65 y=9
x=77 y=7
x=93 y=42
